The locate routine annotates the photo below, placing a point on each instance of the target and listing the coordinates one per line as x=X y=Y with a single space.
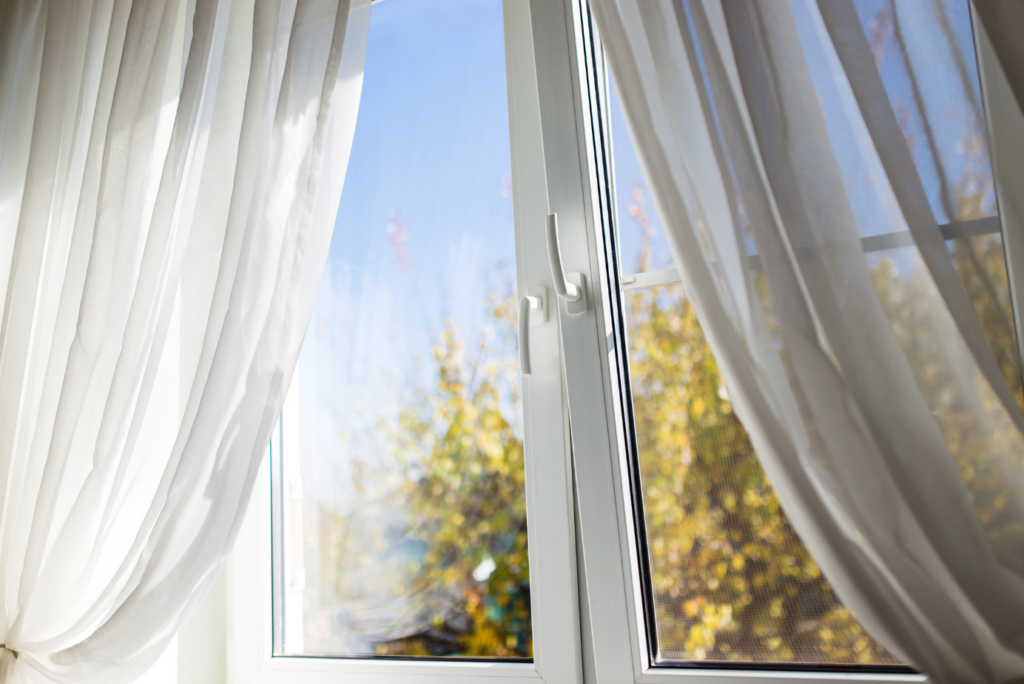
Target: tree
x=455 y=479
x=466 y=489
x=989 y=453
x=731 y=579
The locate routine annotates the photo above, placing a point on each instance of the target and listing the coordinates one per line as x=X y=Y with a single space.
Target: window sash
x=611 y=537
x=550 y=528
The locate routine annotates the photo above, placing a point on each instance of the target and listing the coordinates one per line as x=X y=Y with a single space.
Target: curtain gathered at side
x=170 y=172
x=882 y=395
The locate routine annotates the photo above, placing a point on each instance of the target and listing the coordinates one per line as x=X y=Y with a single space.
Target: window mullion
x=610 y=621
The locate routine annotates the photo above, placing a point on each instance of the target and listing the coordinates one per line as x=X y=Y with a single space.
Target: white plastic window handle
x=566 y=290
x=572 y=287
x=526 y=304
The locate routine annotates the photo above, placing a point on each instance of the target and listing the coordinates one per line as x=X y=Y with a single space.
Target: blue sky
x=628 y=178
x=424 y=227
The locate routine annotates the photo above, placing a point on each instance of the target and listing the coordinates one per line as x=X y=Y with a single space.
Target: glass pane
x=730 y=578
x=925 y=55
x=404 y=510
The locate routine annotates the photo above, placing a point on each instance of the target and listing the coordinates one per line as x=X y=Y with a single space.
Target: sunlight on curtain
x=170 y=174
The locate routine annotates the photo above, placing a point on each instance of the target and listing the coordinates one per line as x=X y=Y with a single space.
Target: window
x=419 y=493
x=427 y=512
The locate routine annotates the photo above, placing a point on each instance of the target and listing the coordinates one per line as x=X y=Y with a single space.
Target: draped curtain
x=888 y=424
x=170 y=172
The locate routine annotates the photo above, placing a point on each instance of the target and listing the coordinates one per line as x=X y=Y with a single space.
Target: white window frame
x=587 y=601
x=552 y=545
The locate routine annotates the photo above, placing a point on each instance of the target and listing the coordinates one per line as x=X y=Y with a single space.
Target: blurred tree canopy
x=731 y=579
x=456 y=479
x=466 y=489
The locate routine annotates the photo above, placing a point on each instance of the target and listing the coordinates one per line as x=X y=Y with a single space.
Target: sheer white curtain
x=878 y=402
x=169 y=176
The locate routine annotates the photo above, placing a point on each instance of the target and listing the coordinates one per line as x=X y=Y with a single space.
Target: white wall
x=198 y=655
x=202 y=644
x=165 y=671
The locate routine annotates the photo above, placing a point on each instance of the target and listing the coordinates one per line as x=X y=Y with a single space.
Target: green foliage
x=453 y=489
x=465 y=487
x=982 y=439
x=732 y=580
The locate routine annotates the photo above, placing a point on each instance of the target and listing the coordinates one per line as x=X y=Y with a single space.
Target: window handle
x=532 y=311
x=569 y=286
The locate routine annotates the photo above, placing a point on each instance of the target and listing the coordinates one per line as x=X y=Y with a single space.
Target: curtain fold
x=885 y=419
x=169 y=178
